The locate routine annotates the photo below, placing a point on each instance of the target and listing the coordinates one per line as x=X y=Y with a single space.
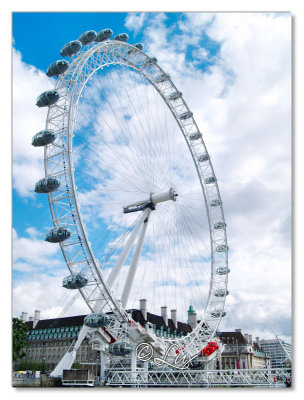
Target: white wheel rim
x=65 y=206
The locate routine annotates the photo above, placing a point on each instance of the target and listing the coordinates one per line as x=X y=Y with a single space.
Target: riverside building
x=50 y=339
x=241 y=352
x=278 y=356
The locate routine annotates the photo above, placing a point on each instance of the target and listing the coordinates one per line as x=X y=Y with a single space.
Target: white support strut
x=134 y=263
x=98 y=307
x=68 y=359
x=125 y=252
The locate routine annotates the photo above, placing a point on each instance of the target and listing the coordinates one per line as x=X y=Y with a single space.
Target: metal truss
x=200 y=378
x=64 y=205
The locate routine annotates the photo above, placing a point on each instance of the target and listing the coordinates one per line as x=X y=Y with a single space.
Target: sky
x=235 y=74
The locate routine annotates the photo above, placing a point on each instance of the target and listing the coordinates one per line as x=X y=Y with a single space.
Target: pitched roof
x=159 y=321
x=232 y=337
x=256 y=346
x=29 y=324
x=58 y=322
x=136 y=315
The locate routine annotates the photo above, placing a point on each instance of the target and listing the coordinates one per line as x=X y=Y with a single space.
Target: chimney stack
x=257 y=340
x=143 y=308
x=23 y=316
x=164 y=314
x=250 y=339
x=36 y=318
x=192 y=317
x=174 y=318
x=247 y=337
x=193 y=320
x=238 y=330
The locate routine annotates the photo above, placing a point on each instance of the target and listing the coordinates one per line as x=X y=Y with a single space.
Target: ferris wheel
x=133 y=195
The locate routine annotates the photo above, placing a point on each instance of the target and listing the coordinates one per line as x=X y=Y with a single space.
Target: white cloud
x=34 y=252
x=135 y=21
x=200 y=55
x=39 y=287
x=46 y=294
x=28 y=119
x=32 y=231
x=242 y=105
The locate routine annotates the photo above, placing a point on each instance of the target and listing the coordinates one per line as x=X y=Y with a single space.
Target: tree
x=30 y=365
x=19 y=339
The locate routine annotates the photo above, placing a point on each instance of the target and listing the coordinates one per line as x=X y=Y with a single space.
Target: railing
x=201 y=378
x=23 y=381
x=77 y=382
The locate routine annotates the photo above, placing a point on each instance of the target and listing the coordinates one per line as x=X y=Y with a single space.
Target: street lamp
x=97 y=362
x=43 y=357
x=91 y=362
x=43 y=366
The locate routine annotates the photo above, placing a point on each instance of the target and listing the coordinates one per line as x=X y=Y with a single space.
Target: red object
x=209 y=349
x=177 y=351
x=112 y=340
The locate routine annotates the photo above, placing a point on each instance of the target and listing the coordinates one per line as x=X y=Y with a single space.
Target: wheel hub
x=151 y=202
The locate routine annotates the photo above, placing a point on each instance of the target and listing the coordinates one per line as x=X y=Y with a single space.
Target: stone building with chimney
x=241 y=352
x=50 y=339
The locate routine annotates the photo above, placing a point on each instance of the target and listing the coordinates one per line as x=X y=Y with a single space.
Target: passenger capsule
x=221 y=293
x=221 y=248
x=43 y=138
x=104 y=35
x=138 y=46
x=195 y=136
x=75 y=281
x=174 y=96
x=47 y=185
x=47 y=98
x=219 y=225
x=97 y=320
x=150 y=61
x=162 y=78
x=186 y=115
x=71 y=48
x=217 y=314
x=222 y=271
x=215 y=202
x=57 y=235
x=122 y=37
x=57 y=68
x=203 y=157
x=210 y=179
x=87 y=37
x=120 y=348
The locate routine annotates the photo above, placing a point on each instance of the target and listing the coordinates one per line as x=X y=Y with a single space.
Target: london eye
x=134 y=199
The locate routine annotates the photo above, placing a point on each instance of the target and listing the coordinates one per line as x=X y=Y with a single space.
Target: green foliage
x=25 y=365
x=19 y=339
x=76 y=365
